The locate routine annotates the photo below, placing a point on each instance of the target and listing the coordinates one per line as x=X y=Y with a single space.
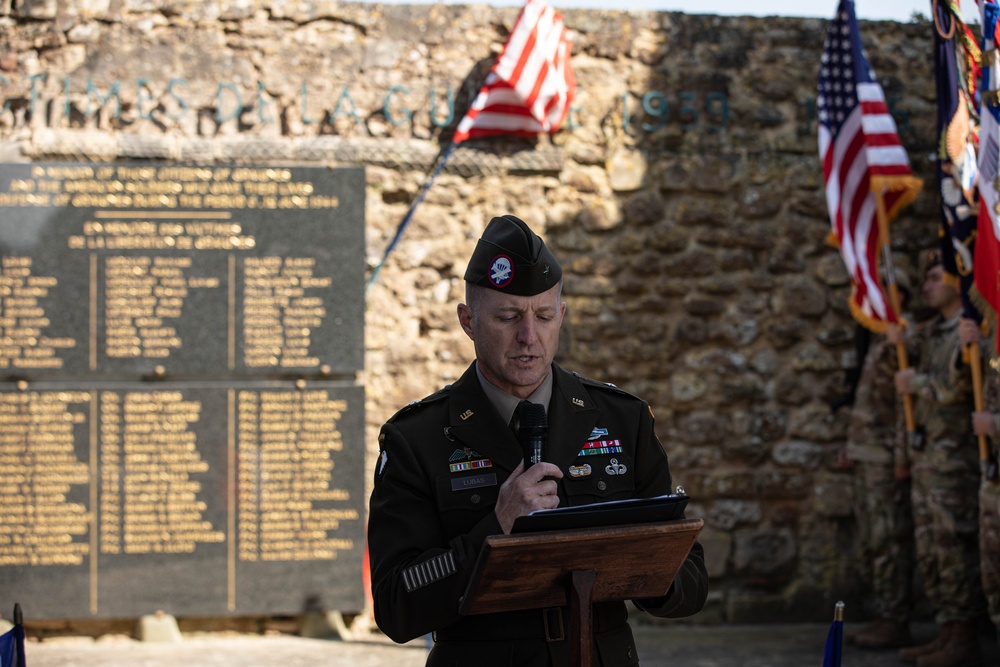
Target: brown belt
x=551 y=624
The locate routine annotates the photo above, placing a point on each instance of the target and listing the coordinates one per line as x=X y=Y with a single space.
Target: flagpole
x=975 y=361
x=878 y=190
x=442 y=159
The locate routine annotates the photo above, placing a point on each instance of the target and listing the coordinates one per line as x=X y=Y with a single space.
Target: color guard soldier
x=987 y=423
x=945 y=476
x=882 y=494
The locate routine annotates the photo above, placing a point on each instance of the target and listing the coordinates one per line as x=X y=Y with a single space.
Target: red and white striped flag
x=531 y=86
x=861 y=154
x=987 y=258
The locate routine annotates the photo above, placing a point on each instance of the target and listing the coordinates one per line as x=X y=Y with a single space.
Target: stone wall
x=685 y=201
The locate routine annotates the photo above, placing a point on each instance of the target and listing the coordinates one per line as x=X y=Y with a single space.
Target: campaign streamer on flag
x=531 y=86
x=957 y=72
x=865 y=167
x=987 y=250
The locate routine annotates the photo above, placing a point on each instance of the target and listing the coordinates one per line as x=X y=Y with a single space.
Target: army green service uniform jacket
x=442 y=462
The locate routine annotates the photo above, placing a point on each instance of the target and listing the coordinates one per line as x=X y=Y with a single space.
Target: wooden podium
x=578 y=567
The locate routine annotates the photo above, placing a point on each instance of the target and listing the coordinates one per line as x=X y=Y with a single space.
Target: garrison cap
x=513 y=259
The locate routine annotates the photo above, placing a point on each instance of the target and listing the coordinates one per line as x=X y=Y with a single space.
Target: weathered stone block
x=817 y=423
x=702 y=306
x=798 y=453
x=729 y=514
x=780 y=484
x=762 y=551
x=801 y=296
x=718 y=546
x=703 y=428
x=811 y=357
x=670 y=239
x=687 y=387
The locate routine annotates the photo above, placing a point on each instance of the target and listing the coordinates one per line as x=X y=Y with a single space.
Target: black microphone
x=532 y=432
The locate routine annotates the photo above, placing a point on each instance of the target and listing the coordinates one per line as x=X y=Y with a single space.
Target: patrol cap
x=513 y=259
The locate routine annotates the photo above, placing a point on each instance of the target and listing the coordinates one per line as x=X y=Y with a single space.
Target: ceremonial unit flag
x=987 y=250
x=956 y=66
x=862 y=158
x=834 y=650
x=531 y=86
x=12 y=643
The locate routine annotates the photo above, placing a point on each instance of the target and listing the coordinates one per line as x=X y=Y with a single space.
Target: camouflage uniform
x=882 y=504
x=989 y=544
x=945 y=473
x=989 y=505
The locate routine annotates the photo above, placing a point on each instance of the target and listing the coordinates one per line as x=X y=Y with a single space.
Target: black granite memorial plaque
x=130 y=269
x=180 y=424
x=120 y=499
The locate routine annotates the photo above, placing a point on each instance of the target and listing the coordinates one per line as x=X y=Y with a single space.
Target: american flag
x=861 y=155
x=531 y=86
x=987 y=252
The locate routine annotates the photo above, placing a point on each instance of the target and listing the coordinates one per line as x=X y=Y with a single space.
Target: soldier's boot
x=911 y=653
x=961 y=649
x=885 y=633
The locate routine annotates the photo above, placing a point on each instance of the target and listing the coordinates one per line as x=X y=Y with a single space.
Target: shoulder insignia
x=433 y=398
x=597 y=383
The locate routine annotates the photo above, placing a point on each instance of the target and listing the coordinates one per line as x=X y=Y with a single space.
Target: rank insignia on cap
x=580 y=471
